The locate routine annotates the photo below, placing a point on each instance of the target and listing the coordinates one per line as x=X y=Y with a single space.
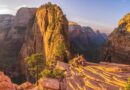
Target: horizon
x=103 y=15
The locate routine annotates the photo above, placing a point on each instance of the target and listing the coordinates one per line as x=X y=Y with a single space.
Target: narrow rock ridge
x=47 y=33
x=53 y=26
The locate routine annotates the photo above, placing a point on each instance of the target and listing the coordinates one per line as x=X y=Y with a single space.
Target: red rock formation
x=118 y=46
x=25 y=86
x=5 y=82
x=47 y=34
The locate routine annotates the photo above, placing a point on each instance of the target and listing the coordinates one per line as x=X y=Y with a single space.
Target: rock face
x=117 y=48
x=85 y=41
x=53 y=26
x=6 y=22
x=47 y=34
x=23 y=16
x=12 y=33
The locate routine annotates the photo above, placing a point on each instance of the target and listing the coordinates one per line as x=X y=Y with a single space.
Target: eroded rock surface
x=47 y=34
x=103 y=76
x=53 y=26
x=117 y=48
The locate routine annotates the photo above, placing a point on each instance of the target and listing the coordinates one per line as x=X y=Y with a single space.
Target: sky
x=101 y=15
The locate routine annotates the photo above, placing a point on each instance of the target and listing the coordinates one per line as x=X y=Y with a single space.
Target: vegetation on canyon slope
x=35 y=64
x=37 y=68
x=128 y=85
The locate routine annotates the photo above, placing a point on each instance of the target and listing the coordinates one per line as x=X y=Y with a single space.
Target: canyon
x=46 y=30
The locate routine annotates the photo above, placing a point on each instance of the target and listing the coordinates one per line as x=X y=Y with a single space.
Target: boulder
x=5 y=82
x=49 y=84
x=25 y=86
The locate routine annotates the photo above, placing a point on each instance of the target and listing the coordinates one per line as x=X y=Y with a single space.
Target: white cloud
x=3 y=6
x=20 y=6
x=4 y=9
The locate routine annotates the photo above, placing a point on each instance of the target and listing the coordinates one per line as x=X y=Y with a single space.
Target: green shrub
x=128 y=85
x=45 y=73
x=35 y=65
x=55 y=73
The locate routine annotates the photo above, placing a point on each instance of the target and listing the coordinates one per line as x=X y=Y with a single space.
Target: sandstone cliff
x=12 y=31
x=46 y=31
x=47 y=34
x=118 y=46
x=53 y=26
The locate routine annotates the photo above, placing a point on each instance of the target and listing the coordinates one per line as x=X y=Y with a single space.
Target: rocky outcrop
x=117 y=48
x=101 y=76
x=6 y=22
x=49 y=83
x=47 y=34
x=53 y=26
x=85 y=41
x=5 y=82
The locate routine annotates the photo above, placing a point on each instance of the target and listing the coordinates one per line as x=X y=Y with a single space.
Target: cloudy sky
x=101 y=15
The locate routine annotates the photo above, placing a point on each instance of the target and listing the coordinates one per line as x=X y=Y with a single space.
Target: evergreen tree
x=35 y=64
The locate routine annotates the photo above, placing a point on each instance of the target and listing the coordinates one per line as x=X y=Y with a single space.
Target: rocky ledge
x=103 y=76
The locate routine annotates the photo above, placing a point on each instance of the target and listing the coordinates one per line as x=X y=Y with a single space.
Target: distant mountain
x=118 y=46
x=12 y=32
x=84 y=40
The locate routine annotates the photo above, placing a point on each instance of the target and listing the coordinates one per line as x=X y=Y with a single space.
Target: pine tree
x=35 y=65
